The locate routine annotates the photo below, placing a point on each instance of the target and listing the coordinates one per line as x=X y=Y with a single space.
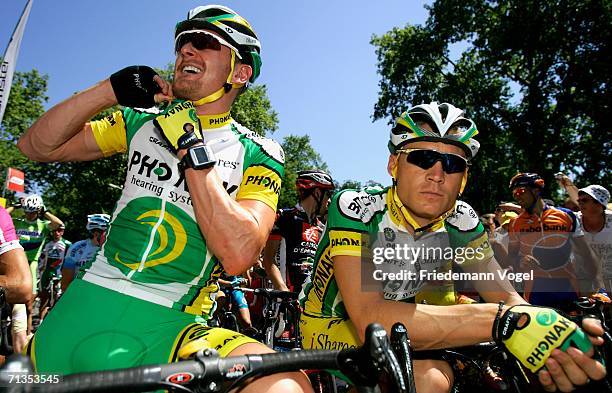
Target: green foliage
x=350 y=184
x=253 y=110
x=535 y=78
x=299 y=156
x=25 y=105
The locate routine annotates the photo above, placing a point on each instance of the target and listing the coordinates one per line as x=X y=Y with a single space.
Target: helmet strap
x=227 y=86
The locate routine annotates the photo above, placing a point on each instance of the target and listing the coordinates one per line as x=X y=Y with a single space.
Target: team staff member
x=431 y=146
x=200 y=197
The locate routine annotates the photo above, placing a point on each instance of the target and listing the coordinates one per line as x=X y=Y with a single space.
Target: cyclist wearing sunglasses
x=199 y=198
x=542 y=240
x=431 y=149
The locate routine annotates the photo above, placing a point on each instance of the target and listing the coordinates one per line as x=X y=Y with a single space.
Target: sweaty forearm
x=454 y=326
x=232 y=233
x=45 y=139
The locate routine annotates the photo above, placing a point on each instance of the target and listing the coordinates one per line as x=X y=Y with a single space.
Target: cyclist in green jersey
x=199 y=198
x=431 y=146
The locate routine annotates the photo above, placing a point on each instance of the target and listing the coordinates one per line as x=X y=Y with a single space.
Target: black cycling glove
x=134 y=86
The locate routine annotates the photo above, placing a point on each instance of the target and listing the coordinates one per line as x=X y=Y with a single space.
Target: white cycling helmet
x=32 y=203
x=447 y=122
x=98 y=221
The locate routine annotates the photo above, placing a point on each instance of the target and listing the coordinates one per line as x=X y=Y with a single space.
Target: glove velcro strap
x=187 y=140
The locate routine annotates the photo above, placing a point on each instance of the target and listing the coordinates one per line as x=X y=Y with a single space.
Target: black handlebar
x=208 y=372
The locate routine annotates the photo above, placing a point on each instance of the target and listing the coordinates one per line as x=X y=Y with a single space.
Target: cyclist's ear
x=463 y=182
x=392 y=166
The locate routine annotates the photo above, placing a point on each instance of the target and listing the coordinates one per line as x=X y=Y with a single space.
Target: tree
x=535 y=77
x=299 y=156
x=25 y=105
x=349 y=184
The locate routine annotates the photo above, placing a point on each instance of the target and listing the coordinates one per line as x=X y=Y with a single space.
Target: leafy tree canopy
x=535 y=77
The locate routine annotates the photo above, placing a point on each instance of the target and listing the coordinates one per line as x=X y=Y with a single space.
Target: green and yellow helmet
x=228 y=25
x=446 y=121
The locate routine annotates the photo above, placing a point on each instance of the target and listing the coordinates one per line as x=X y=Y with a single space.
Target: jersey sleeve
x=347 y=231
x=70 y=260
x=263 y=170
x=8 y=237
x=110 y=134
x=576 y=227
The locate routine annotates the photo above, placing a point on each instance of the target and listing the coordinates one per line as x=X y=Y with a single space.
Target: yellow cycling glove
x=531 y=333
x=179 y=125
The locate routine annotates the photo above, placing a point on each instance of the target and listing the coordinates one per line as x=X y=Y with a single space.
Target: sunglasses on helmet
x=426 y=158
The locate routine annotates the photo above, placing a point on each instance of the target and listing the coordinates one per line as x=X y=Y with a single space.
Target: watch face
x=199 y=155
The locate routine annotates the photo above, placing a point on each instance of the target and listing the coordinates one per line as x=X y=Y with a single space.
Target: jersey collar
x=402 y=218
x=210 y=122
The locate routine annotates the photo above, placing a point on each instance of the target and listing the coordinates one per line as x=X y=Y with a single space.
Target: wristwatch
x=198 y=157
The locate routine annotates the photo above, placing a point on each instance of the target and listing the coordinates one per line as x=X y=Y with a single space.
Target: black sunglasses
x=425 y=159
x=200 y=41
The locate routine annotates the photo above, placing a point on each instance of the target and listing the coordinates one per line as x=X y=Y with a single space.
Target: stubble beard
x=186 y=90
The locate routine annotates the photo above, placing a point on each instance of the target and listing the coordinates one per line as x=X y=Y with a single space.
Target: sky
x=318 y=64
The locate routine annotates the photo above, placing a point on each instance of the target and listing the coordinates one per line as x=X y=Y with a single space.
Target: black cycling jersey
x=299 y=238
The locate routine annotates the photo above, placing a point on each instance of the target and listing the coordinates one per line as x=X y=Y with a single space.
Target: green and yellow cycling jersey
x=32 y=235
x=362 y=223
x=154 y=248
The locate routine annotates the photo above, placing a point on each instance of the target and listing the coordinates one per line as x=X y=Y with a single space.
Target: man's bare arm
x=454 y=326
x=15 y=276
x=62 y=133
x=272 y=270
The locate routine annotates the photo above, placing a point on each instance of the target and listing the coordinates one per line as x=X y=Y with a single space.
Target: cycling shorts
x=85 y=333
x=238 y=298
x=328 y=333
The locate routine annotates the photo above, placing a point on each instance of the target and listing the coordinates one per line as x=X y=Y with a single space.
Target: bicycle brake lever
x=378 y=345
x=401 y=346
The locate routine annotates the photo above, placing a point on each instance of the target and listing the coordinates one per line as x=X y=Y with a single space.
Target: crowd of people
x=199 y=209
x=50 y=257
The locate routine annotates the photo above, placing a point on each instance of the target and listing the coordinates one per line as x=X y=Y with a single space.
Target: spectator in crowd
x=596 y=223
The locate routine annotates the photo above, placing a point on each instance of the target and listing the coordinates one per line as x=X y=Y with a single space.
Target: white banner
x=7 y=68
